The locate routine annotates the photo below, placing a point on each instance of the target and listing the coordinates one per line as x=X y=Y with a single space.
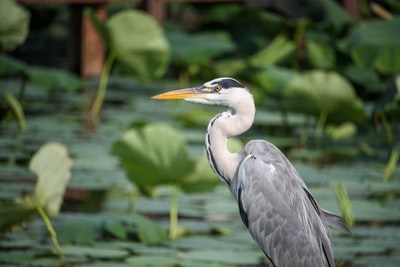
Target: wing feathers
x=279 y=211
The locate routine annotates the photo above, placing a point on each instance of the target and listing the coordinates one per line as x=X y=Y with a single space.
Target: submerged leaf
x=52 y=166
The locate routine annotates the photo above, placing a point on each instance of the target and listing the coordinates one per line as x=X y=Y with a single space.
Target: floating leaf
x=239 y=257
x=79 y=230
x=52 y=166
x=152 y=261
x=93 y=252
x=116 y=229
x=139 y=43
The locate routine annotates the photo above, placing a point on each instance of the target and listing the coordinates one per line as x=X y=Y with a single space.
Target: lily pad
x=93 y=252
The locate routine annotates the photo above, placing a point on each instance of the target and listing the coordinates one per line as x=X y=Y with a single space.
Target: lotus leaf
x=52 y=166
x=14 y=24
x=139 y=43
x=154 y=155
x=319 y=91
x=375 y=44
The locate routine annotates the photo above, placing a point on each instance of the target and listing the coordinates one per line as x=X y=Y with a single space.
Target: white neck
x=226 y=125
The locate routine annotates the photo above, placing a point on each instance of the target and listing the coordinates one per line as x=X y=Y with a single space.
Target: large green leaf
x=333 y=12
x=14 y=215
x=154 y=155
x=52 y=79
x=375 y=44
x=316 y=91
x=197 y=48
x=273 y=78
x=320 y=51
x=11 y=66
x=280 y=48
x=203 y=179
x=14 y=24
x=149 y=232
x=139 y=43
x=52 y=166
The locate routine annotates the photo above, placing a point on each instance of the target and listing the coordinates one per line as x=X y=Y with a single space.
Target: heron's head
x=221 y=91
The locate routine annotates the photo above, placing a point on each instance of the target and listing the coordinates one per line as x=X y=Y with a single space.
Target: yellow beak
x=178 y=94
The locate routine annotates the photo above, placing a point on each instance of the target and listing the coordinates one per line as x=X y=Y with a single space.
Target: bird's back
x=278 y=209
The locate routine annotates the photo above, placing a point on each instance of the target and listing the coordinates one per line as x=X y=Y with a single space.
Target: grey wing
x=275 y=206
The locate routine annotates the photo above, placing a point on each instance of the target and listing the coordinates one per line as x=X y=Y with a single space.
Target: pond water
x=98 y=225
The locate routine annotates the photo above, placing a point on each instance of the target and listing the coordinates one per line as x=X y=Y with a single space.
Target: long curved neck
x=221 y=127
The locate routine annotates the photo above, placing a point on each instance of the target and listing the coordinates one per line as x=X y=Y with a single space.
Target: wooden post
x=92 y=46
x=352 y=7
x=157 y=9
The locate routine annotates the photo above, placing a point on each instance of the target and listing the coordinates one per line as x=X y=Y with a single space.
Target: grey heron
x=274 y=203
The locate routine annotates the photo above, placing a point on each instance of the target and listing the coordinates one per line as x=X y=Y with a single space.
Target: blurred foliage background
x=93 y=172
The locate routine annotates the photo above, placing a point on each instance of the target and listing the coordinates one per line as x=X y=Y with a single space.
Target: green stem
x=388 y=129
x=320 y=127
x=101 y=92
x=391 y=165
x=173 y=213
x=305 y=132
x=132 y=199
x=344 y=203
x=51 y=230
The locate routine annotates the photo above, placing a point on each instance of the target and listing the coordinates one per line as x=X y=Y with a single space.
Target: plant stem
x=320 y=127
x=344 y=203
x=51 y=230
x=391 y=165
x=388 y=129
x=173 y=213
x=101 y=92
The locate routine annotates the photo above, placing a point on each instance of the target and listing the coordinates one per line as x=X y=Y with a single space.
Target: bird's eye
x=217 y=88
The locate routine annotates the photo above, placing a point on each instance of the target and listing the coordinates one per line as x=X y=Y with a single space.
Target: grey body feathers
x=279 y=210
